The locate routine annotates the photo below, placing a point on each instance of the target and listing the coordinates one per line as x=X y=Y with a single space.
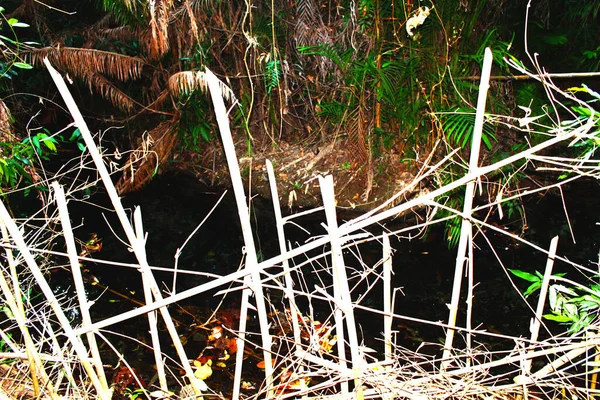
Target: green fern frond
x=272 y=75
x=333 y=110
x=458 y=127
x=339 y=57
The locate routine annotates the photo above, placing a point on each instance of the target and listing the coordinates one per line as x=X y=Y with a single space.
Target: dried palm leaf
x=156 y=88
x=357 y=136
x=186 y=82
x=110 y=92
x=310 y=30
x=122 y=33
x=84 y=62
x=159 y=24
x=5 y=126
x=159 y=101
x=157 y=145
x=131 y=5
x=193 y=24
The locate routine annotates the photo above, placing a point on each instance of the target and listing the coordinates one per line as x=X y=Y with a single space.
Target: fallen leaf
x=203 y=371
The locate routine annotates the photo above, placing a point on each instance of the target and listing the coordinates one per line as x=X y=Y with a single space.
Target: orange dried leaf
x=261 y=364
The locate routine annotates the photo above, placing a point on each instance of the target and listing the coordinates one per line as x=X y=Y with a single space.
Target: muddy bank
x=297 y=168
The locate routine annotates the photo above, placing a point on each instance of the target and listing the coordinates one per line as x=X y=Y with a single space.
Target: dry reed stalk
x=136 y=244
x=537 y=319
x=466 y=234
x=84 y=305
x=342 y=296
x=75 y=341
x=289 y=283
x=253 y=280
x=33 y=365
x=146 y=285
x=387 y=297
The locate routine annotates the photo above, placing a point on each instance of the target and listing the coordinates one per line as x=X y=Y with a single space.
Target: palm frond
x=341 y=58
x=159 y=23
x=93 y=67
x=458 y=126
x=82 y=63
x=143 y=163
x=357 y=136
x=5 y=125
x=186 y=82
x=110 y=92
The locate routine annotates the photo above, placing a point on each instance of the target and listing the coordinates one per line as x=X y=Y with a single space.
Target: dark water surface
x=173 y=205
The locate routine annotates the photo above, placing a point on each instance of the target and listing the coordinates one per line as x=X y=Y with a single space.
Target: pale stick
x=253 y=280
x=466 y=229
x=84 y=304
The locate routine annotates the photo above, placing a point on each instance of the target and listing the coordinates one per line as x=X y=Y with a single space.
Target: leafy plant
x=134 y=394
x=458 y=126
x=576 y=306
x=272 y=74
x=10 y=48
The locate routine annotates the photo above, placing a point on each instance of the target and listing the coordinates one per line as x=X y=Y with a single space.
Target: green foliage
x=574 y=305
x=134 y=394
x=272 y=74
x=452 y=230
x=10 y=47
x=18 y=156
x=127 y=12
x=194 y=126
x=458 y=126
x=586 y=147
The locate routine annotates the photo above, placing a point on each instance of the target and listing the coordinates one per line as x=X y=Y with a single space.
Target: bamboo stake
x=146 y=283
x=387 y=297
x=84 y=305
x=136 y=245
x=289 y=283
x=253 y=280
x=341 y=288
x=466 y=229
x=536 y=320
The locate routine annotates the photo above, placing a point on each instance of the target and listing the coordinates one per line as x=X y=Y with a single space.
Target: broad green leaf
x=50 y=143
x=532 y=288
x=36 y=144
x=557 y=318
x=22 y=65
x=75 y=135
x=571 y=310
x=524 y=275
x=9 y=40
x=7 y=312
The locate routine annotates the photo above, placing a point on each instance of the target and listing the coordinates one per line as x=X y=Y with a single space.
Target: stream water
x=173 y=206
